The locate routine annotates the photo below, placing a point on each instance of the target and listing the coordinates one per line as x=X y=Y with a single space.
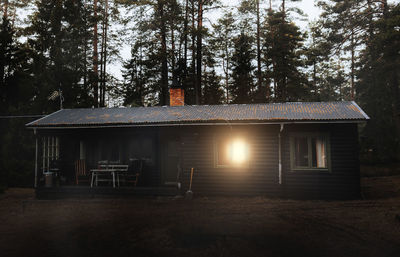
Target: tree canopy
x=254 y=52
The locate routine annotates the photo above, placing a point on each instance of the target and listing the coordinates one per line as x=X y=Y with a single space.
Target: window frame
x=50 y=151
x=309 y=136
x=218 y=138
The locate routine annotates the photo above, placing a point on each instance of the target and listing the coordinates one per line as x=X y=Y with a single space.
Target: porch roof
x=292 y=112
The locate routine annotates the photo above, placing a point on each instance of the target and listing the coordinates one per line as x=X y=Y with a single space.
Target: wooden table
x=97 y=172
x=112 y=169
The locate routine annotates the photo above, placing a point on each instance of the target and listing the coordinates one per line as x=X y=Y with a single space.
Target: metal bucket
x=49 y=179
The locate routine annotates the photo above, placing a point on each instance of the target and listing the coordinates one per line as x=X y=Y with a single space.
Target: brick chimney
x=176 y=97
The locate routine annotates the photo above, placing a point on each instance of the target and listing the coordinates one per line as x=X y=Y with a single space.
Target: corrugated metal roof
x=274 y=112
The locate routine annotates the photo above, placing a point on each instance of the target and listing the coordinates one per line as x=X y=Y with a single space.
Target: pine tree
x=222 y=40
x=242 y=87
x=134 y=87
x=347 y=25
x=61 y=40
x=283 y=42
x=200 y=32
x=250 y=20
x=326 y=75
x=212 y=90
x=16 y=98
x=15 y=82
x=213 y=93
x=378 y=86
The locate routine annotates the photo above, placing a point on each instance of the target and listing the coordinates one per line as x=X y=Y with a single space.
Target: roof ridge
x=204 y=105
x=263 y=112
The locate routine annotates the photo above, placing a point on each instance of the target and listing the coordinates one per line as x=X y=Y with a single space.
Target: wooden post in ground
x=36 y=160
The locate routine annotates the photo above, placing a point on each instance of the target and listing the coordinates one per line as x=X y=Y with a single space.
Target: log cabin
x=291 y=150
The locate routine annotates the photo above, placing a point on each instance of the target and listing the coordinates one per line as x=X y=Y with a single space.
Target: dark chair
x=131 y=176
x=81 y=174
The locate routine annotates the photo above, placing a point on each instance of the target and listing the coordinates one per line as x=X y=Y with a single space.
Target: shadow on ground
x=217 y=226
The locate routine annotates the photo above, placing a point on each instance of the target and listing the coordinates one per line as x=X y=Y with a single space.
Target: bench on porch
x=108 y=173
x=116 y=172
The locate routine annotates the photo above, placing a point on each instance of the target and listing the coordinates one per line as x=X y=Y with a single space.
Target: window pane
x=301 y=152
x=318 y=146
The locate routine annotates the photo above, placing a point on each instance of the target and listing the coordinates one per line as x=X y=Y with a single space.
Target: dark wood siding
x=260 y=177
x=342 y=181
x=141 y=143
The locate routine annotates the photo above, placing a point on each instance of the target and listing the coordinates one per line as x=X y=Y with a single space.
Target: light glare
x=238 y=151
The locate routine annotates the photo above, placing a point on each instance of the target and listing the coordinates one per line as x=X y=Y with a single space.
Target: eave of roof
x=319 y=112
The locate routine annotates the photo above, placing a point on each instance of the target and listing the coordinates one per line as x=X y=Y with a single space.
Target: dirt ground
x=215 y=226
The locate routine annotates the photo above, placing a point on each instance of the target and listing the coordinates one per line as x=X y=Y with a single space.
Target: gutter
x=190 y=124
x=280 y=153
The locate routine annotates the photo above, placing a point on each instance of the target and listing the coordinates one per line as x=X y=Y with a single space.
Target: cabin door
x=171 y=161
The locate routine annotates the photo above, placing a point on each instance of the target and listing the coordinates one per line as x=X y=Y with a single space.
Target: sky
x=307 y=6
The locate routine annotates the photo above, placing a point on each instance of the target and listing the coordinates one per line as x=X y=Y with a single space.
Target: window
x=51 y=151
x=231 y=152
x=309 y=151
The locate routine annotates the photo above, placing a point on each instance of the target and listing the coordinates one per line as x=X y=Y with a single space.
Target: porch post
x=280 y=154
x=44 y=154
x=48 y=153
x=36 y=159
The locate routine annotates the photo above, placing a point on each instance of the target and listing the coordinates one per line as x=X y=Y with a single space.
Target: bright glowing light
x=238 y=151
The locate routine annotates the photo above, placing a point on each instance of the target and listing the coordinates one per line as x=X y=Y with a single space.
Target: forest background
x=253 y=52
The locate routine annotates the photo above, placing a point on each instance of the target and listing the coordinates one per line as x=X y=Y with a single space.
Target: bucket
x=48 y=179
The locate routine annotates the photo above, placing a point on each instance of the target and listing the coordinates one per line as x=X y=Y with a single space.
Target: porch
x=86 y=163
x=62 y=192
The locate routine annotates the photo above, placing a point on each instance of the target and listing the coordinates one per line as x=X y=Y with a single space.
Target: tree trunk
x=273 y=59
x=315 y=79
x=193 y=48
x=58 y=60
x=164 y=61
x=227 y=72
x=185 y=31
x=5 y=10
x=199 y=50
x=95 y=57
x=352 y=64
x=338 y=72
x=13 y=16
x=259 y=79
x=85 y=47
x=384 y=7
x=104 y=72
x=101 y=61
x=173 y=61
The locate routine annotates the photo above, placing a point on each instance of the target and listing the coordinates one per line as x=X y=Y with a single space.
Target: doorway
x=171 y=161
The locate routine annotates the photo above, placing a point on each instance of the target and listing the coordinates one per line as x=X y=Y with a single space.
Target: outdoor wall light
x=238 y=151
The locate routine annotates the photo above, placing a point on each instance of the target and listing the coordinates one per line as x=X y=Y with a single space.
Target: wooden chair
x=81 y=174
x=131 y=176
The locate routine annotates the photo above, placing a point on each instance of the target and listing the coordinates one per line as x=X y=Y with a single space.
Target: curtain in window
x=320 y=153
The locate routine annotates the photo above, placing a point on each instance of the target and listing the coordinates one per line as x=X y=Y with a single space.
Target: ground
x=215 y=226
